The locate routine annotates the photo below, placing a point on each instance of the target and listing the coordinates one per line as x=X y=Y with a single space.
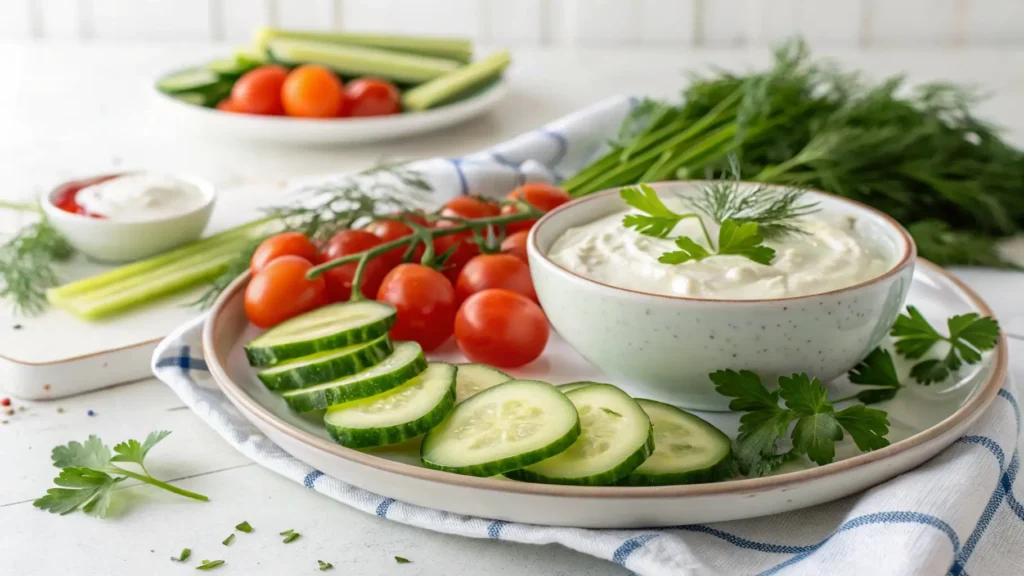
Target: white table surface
x=68 y=110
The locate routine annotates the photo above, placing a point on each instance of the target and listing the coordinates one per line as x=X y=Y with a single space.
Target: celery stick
x=362 y=61
x=452 y=84
x=460 y=49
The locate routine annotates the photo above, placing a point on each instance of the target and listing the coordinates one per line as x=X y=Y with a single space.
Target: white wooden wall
x=534 y=22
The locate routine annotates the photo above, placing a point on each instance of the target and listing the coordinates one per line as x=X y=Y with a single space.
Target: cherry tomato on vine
x=425 y=301
x=465 y=250
x=312 y=91
x=542 y=196
x=488 y=271
x=339 y=280
x=470 y=207
x=388 y=230
x=258 y=91
x=515 y=244
x=501 y=328
x=283 y=244
x=281 y=291
x=372 y=97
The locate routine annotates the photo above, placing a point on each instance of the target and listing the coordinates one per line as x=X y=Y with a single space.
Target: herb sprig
x=88 y=475
x=969 y=336
x=27 y=262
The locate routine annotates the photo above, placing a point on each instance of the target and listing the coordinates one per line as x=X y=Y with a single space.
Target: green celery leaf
x=688 y=250
x=867 y=426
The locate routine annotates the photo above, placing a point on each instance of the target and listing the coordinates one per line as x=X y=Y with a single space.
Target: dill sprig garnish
x=27 y=265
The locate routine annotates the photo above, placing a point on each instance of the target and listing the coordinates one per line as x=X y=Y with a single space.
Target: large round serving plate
x=288 y=130
x=923 y=421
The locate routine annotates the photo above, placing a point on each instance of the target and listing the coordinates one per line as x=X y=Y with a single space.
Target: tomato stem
x=357 y=280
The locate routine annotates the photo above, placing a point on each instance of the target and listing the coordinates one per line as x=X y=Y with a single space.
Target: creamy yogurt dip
x=140 y=196
x=829 y=255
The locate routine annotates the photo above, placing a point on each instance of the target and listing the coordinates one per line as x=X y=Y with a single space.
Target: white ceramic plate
x=285 y=130
x=923 y=421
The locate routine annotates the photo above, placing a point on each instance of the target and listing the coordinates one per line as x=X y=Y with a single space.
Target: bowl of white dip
x=826 y=299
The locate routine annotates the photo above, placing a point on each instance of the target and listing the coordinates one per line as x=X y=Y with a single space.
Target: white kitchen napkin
x=957 y=513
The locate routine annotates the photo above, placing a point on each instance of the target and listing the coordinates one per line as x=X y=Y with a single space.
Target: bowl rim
x=908 y=258
x=206 y=187
x=967 y=412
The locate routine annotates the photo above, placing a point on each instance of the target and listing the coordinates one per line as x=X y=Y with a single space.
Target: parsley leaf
x=92 y=454
x=324 y=566
x=133 y=451
x=756 y=450
x=210 y=564
x=658 y=220
x=743 y=240
x=876 y=369
x=867 y=426
x=746 y=389
x=80 y=488
x=185 y=553
x=688 y=250
x=969 y=336
x=816 y=430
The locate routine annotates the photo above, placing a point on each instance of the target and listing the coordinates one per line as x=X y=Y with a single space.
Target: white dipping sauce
x=141 y=196
x=829 y=255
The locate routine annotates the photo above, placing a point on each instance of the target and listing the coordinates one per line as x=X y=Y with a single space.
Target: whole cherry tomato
x=388 y=230
x=312 y=91
x=470 y=207
x=465 y=250
x=372 y=97
x=425 y=301
x=515 y=244
x=501 y=328
x=487 y=271
x=283 y=244
x=281 y=291
x=339 y=280
x=258 y=91
x=542 y=196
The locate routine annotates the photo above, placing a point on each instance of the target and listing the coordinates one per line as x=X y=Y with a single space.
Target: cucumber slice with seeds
x=404 y=364
x=396 y=415
x=187 y=80
x=325 y=366
x=687 y=450
x=326 y=328
x=475 y=378
x=569 y=387
x=616 y=437
x=509 y=426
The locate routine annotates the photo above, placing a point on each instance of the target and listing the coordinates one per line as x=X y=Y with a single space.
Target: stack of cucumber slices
x=474 y=419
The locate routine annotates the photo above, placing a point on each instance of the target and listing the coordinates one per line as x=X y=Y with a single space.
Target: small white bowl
x=123 y=241
x=666 y=346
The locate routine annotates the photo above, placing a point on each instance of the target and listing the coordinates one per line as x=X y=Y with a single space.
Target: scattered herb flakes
x=210 y=564
x=227 y=541
x=401 y=560
x=17 y=326
x=9 y=411
x=244 y=527
x=324 y=566
x=60 y=410
x=291 y=537
x=286 y=532
x=185 y=553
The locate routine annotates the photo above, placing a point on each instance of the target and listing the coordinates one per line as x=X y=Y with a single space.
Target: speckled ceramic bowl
x=665 y=346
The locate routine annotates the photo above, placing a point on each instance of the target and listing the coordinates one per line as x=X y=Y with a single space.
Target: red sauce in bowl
x=65 y=196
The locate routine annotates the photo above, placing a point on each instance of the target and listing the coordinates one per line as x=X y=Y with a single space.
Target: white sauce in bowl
x=141 y=196
x=829 y=255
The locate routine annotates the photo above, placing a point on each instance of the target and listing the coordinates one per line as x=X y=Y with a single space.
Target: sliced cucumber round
x=616 y=437
x=187 y=80
x=325 y=328
x=403 y=365
x=229 y=68
x=396 y=415
x=687 y=449
x=475 y=378
x=565 y=388
x=509 y=426
x=326 y=366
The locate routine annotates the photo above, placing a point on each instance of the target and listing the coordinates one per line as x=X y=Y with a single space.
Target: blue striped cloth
x=956 y=514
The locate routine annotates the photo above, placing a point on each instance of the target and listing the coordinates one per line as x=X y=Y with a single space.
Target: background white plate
x=285 y=130
x=923 y=420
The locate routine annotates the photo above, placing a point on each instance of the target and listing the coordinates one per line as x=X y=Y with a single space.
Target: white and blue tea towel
x=959 y=513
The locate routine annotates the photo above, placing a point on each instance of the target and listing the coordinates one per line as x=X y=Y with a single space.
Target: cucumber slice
x=251 y=56
x=474 y=378
x=361 y=61
x=687 y=450
x=452 y=84
x=325 y=328
x=187 y=80
x=403 y=365
x=616 y=438
x=195 y=98
x=503 y=428
x=396 y=415
x=229 y=68
x=460 y=49
x=326 y=366
x=566 y=388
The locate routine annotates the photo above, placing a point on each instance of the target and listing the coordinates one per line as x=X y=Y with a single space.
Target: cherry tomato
x=312 y=91
x=515 y=244
x=487 y=271
x=470 y=207
x=66 y=199
x=372 y=97
x=501 y=328
x=465 y=250
x=339 y=280
x=388 y=230
x=542 y=196
x=258 y=91
x=229 y=105
x=425 y=301
x=284 y=244
x=281 y=291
